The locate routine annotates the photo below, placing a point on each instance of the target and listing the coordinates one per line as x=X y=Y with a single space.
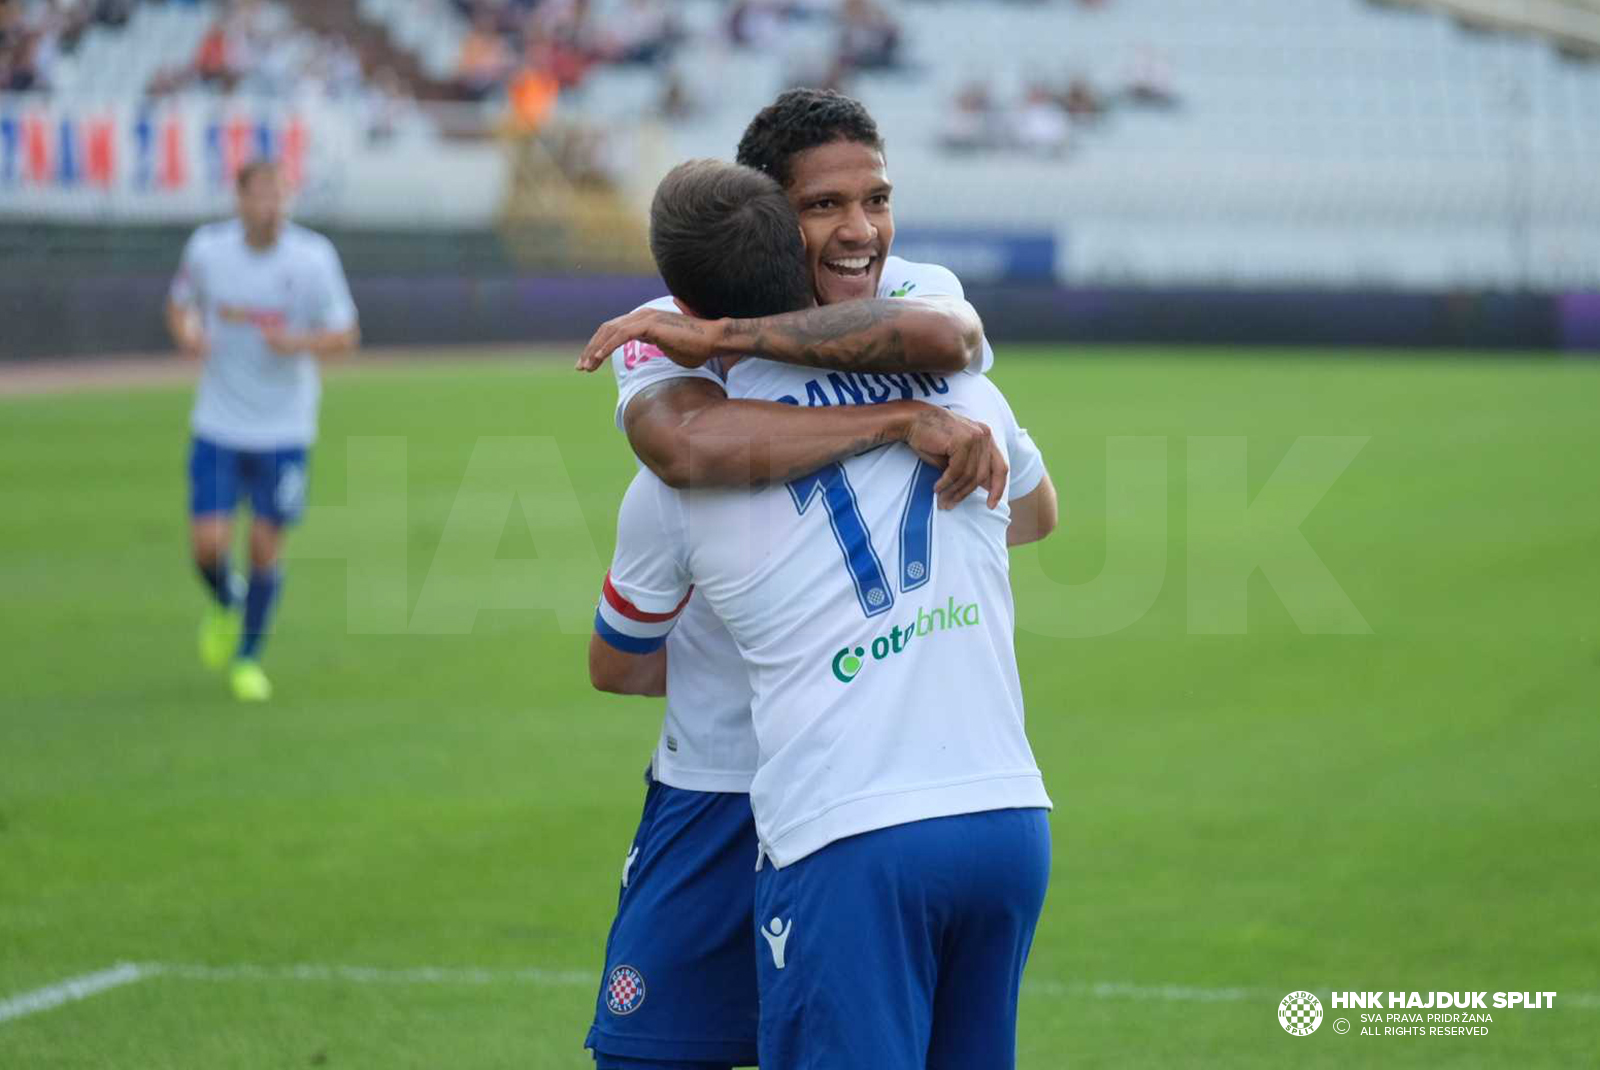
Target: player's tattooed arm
x=690 y=434
x=897 y=334
x=620 y=673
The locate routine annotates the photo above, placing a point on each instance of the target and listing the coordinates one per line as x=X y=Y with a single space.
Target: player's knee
x=265 y=544
x=210 y=546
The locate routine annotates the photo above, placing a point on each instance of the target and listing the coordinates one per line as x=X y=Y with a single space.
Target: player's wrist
x=729 y=337
x=899 y=417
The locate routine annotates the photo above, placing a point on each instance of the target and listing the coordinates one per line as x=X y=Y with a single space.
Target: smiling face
x=841 y=193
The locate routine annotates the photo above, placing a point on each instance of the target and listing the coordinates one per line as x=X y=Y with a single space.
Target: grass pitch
x=435 y=786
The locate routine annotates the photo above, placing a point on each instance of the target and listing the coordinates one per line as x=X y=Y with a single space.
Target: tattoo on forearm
x=854 y=336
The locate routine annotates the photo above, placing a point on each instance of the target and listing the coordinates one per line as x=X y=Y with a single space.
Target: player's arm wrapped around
x=643 y=593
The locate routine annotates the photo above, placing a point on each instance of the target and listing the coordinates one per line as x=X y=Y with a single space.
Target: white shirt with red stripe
x=707 y=742
x=876 y=629
x=249 y=397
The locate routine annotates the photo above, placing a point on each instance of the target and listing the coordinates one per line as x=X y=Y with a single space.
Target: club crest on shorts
x=624 y=990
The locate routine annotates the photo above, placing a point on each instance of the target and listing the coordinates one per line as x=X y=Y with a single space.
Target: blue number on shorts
x=855 y=541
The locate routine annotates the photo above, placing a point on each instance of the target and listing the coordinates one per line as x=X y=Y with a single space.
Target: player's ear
x=686 y=310
x=803 y=244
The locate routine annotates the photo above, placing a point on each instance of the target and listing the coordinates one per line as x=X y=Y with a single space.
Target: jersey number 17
x=832 y=484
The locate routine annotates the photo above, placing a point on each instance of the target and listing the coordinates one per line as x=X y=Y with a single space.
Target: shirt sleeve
x=935 y=280
x=185 y=289
x=1027 y=463
x=649 y=581
x=337 y=311
x=639 y=364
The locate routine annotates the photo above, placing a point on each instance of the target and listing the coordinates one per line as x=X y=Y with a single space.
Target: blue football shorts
x=902 y=948
x=679 y=987
x=274 y=480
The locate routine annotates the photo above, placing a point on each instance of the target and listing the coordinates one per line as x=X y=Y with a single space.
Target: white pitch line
x=414 y=975
x=1122 y=990
x=70 y=990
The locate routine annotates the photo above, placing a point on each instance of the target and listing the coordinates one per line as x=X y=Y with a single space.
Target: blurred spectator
x=18 y=64
x=1040 y=126
x=755 y=23
x=559 y=54
x=11 y=23
x=970 y=124
x=485 y=60
x=534 y=92
x=643 y=33
x=214 y=57
x=390 y=109
x=1149 y=81
x=869 y=40
x=677 y=101
x=1081 y=103
x=113 y=12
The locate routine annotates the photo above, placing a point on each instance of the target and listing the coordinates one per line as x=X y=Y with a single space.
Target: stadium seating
x=110 y=61
x=1314 y=141
x=1305 y=140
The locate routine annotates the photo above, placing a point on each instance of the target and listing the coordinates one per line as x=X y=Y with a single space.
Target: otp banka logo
x=849 y=661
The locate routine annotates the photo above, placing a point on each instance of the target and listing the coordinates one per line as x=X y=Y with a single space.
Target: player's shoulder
x=977 y=397
x=642 y=357
x=909 y=278
x=216 y=233
x=305 y=239
x=664 y=304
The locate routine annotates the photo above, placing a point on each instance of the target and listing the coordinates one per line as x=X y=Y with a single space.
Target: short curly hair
x=802 y=119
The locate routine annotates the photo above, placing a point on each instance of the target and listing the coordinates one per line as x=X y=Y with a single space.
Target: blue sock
x=219 y=582
x=258 y=603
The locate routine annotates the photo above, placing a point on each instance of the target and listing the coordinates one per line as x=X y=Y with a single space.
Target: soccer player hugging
x=811 y=566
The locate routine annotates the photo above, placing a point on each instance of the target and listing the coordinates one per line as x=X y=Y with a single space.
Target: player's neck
x=262 y=241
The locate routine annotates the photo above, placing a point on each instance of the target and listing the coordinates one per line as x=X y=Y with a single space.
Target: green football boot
x=219 y=635
x=249 y=683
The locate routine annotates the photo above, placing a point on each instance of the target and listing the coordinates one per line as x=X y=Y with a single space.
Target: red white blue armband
x=627 y=627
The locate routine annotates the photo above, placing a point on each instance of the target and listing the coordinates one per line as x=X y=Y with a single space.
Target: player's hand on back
x=682 y=339
x=191 y=336
x=965 y=449
x=282 y=342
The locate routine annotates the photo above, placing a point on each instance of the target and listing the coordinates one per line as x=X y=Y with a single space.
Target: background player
x=258 y=300
x=896 y=795
x=679 y=983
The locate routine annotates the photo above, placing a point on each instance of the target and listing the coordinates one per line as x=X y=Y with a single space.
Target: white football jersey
x=249 y=397
x=707 y=741
x=876 y=629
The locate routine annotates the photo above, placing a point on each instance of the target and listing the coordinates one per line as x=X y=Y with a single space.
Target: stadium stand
x=1242 y=141
x=1292 y=142
x=1573 y=25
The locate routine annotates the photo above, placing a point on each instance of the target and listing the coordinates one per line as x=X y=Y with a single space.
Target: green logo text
x=849 y=661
